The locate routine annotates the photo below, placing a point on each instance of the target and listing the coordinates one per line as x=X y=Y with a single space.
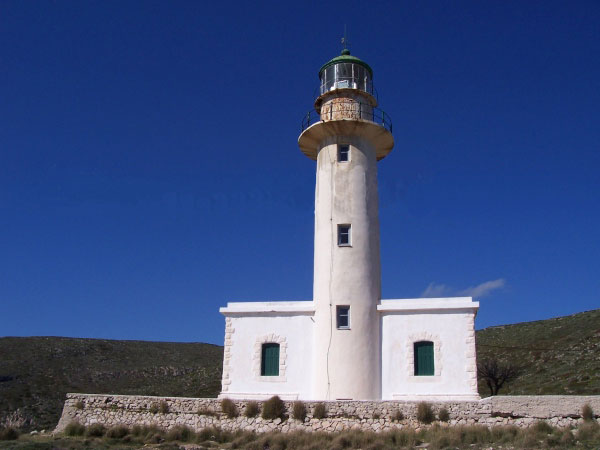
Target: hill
x=557 y=356
x=37 y=372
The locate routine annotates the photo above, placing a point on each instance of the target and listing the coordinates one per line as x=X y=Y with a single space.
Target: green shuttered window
x=424 y=358
x=269 y=364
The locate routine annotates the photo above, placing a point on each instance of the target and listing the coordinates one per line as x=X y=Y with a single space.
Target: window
x=343 y=153
x=423 y=358
x=344 y=235
x=269 y=363
x=343 y=317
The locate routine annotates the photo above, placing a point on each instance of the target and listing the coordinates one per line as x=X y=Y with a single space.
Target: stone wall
x=198 y=413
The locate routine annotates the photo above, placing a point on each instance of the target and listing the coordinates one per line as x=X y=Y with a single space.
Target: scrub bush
x=229 y=408
x=425 y=413
x=320 y=411
x=398 y=416
x=587 y=413
x=117 y=432
x=443 y=415
x=273 y=408
x=95 y=430
x=74 y=429
x=180 y=433
x=8 y=434
x=299 y=411
x=252 y=409
x=164 y=407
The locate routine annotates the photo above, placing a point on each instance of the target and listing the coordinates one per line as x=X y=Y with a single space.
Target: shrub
x=588 y=431
x=273 y=408
x=425 y=413
x=252 y=409
x=543 y=427
x=299 y=411
x=8 y=434
x=587 y=413
x=117 y=432
x=78 y=404
x=229 y=408
x=180 y=433
x=320 y=411
x=74 y=429
x=95 y=430
x=443 y=415
x=153 y=408
x=397 y=416
x=164 y=407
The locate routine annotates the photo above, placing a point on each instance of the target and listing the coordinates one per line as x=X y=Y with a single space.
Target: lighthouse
x=347 y=343
x=346 y=135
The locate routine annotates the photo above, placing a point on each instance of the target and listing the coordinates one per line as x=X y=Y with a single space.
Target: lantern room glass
x=346 y=75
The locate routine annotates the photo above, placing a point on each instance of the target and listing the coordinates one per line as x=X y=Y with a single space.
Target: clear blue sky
x=149 y=168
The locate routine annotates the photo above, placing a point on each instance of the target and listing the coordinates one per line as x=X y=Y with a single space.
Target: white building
x=348 y=343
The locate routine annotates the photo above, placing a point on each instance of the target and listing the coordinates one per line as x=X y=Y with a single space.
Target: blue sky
x=149 y=168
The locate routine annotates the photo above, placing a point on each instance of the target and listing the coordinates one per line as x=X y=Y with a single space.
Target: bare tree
x=495 y=373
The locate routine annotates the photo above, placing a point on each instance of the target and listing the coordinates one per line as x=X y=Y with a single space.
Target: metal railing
x=348 y=110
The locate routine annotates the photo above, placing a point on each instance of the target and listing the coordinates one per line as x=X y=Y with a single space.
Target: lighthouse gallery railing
x=355 y=110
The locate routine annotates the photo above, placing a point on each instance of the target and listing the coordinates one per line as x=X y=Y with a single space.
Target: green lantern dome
x=346 y=57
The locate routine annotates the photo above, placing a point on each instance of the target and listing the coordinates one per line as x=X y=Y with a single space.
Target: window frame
x=418 y=347
x=346 y=152
x=263 y=362
x=348 y=232
x=338 y=315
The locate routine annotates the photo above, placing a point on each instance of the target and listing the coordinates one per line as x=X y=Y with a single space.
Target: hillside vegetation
x=37 y=372
x=557 y=356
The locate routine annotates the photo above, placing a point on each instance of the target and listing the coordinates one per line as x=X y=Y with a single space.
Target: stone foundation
x=198 y=413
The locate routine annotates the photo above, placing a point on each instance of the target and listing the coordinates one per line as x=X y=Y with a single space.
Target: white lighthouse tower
x=347 y=343
x=346 y=136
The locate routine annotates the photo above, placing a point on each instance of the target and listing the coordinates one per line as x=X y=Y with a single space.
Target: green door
x=269 y=365
x=424 y=358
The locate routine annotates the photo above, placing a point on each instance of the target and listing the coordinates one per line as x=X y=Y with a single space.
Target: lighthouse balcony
x=347 y=109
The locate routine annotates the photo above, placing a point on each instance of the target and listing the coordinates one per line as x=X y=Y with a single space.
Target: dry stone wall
x=199 y=413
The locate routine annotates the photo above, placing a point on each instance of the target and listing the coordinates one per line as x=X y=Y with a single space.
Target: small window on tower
x=343 y=317
x=344 y=236
x=343 y=153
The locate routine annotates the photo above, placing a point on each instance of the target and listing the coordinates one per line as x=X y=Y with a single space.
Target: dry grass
x=437 y=437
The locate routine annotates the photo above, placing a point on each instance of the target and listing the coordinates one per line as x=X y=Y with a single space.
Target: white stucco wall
x=449 y=324
x=248 y=326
